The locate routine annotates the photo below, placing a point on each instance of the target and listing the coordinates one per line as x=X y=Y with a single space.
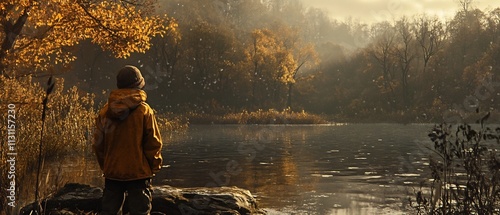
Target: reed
x=270 y=116
x=169 y=122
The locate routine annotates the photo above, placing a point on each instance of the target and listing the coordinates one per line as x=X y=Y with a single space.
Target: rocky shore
x=85 y=199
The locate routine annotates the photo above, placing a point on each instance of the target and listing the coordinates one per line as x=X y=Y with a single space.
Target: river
x=305 y=169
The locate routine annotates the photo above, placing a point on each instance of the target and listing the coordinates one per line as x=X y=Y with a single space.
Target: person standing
x=127 y=144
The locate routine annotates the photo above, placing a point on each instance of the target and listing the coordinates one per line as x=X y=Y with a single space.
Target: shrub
x=465 y=172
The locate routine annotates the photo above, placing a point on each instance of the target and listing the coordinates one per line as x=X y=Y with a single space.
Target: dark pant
x=138 y=194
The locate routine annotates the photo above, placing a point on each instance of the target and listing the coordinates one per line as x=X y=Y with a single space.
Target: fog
x=372 y=11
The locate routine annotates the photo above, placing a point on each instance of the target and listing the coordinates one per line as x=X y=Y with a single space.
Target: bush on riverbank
x=465 y=171
x=258 y=117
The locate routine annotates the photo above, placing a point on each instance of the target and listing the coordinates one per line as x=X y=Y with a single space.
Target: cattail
x=50 y=88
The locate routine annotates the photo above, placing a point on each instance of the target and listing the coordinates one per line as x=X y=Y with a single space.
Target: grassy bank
x=257 y=117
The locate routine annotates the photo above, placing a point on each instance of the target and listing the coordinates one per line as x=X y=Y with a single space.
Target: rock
x=82 y=199
x=71 y=198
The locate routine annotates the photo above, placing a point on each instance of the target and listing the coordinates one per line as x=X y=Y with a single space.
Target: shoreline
x=305 y=118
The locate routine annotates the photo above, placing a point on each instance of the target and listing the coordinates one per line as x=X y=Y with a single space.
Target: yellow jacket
x=127 y=141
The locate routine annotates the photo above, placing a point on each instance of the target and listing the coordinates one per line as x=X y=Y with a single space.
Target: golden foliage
x=280 y=53
x=53 y=26
x=168 y=122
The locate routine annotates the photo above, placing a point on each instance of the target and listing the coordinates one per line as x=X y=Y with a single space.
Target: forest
x=229 y=56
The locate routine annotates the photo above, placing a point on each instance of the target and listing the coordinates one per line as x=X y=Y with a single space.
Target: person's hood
x=122 y=101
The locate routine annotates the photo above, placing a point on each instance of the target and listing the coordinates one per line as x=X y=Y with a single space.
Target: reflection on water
x=333 y=169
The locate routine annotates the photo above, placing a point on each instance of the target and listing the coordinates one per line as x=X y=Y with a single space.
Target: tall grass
x=68 y=125
x=168 y=122
x=67 y=153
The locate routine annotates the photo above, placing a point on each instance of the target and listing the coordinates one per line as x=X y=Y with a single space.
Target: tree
x=37 y=36
x=466 y=30
x=468 y=42
x=297 y=55
x=382 y=50
x=405 y=54
x=211 y=50
x=493 y=25
x=430 y=35
x=260 y=54
x=465 y=4
x=276 y=57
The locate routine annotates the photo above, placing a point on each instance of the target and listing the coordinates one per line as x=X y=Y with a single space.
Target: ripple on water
x=408 y=175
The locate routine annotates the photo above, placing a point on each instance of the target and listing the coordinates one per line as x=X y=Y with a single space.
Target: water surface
x=305 y=169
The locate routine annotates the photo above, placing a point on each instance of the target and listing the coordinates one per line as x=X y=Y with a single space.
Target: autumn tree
x=298 y=55
x=276 y=57
x=260 y=56
x=37 y=36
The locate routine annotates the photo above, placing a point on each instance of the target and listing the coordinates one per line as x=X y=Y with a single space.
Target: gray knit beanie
x=130 y=77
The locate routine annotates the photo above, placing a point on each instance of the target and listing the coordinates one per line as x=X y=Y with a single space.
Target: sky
x=371 y=11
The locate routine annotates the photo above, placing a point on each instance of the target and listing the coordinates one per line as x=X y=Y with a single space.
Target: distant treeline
x=233 y=56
